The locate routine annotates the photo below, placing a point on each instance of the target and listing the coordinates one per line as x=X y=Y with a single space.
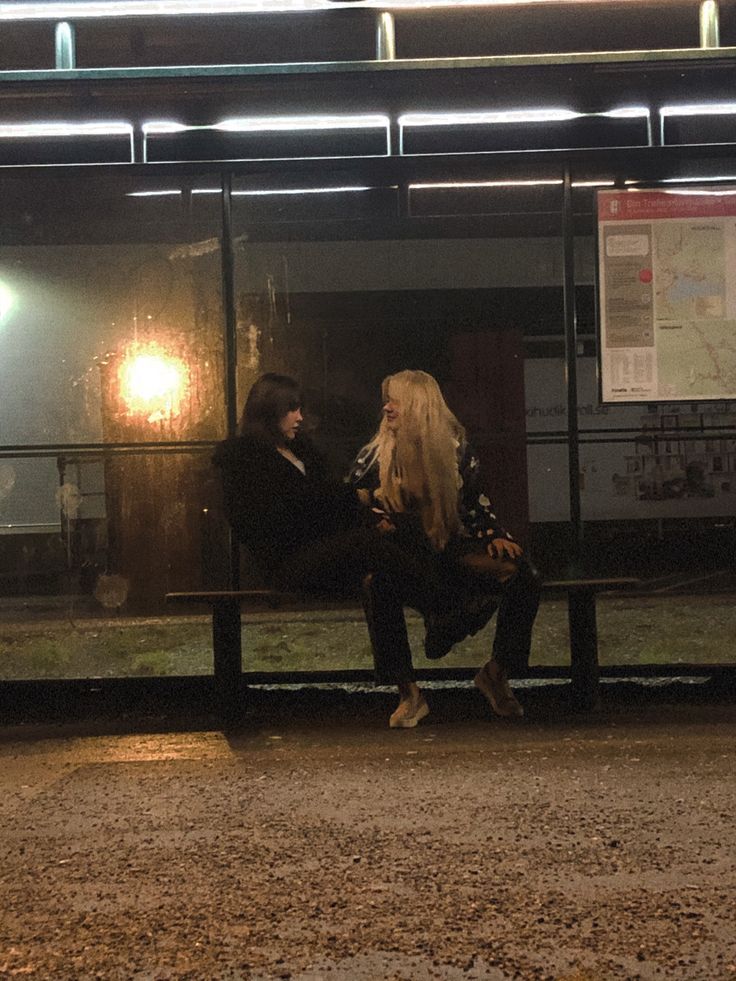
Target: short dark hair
x=268 y=401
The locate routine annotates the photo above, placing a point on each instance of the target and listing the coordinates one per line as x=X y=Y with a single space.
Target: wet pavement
x=313 y=843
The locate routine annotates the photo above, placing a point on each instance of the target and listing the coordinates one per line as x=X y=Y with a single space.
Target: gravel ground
x=315 y=844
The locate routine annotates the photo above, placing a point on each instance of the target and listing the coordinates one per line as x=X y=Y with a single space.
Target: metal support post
x=227 y=648
x=385 y=37
x=571 y=354
x=584 y=670
x=65 y=49
x=227 y=258
x=709 y=24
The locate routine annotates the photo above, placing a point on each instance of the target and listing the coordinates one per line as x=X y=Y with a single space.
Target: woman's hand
x=503 y=550
x=376 y=517
x=384 y=524
x=504 y=555
x=501 y=559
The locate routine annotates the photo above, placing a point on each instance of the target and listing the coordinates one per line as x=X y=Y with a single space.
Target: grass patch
x=632 y=630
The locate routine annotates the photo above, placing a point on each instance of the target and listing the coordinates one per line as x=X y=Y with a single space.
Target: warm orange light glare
x=150 y=377
x=153 y=384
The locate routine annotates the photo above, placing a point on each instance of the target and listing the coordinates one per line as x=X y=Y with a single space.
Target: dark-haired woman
x=309 y=533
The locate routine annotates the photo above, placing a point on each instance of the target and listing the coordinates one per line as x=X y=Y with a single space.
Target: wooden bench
x=227 y=629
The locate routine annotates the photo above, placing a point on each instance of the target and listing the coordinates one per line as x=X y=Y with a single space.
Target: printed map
x=698 y=361
x=690 y=272
x=696 y=347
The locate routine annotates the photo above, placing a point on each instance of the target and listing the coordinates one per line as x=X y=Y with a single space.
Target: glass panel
x=339 y=291
x=110 y=310
x=103 y=538
x=111 y=332
x=546 y=420
x=657 y=481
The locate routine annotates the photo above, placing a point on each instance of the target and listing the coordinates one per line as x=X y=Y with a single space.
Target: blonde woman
x=420 y=474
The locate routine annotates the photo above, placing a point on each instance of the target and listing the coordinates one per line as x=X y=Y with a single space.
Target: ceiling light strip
x=55 y=10
x=17 y=131
x=266 y=124
x=171 y=192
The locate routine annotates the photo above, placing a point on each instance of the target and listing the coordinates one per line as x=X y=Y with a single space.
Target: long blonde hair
x=418 y=462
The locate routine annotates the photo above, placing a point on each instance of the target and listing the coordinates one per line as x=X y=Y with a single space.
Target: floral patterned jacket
x=475 y=509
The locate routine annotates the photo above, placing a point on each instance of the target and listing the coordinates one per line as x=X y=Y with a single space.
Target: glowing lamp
x=152 y=384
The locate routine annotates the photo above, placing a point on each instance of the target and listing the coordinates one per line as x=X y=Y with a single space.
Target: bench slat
x=558 y=585
x=600 y=585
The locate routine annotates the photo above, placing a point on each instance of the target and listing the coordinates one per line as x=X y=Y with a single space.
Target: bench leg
x=584 y=669
x=226 y=645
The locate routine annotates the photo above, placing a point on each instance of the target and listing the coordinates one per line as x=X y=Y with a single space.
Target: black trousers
x=517 y=602
x=389 y=575
x=363 y=562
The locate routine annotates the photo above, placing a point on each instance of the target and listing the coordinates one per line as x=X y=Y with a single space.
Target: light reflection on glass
x=7 y=301
x=152 y=384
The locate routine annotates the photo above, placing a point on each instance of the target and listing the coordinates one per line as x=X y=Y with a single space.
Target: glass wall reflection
x=341 y=286
x=113 y=380
x=657 y=486
x=111 y=335
x=110 y=311
x=108 y=538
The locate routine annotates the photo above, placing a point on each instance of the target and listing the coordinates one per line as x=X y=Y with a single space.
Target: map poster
x=667 y=294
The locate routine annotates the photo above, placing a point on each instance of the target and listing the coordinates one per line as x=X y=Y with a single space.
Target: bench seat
x=227 y=628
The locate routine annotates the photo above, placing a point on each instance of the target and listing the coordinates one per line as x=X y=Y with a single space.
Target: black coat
x=274 y=509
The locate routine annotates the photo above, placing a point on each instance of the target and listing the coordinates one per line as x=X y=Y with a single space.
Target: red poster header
x=635 y=205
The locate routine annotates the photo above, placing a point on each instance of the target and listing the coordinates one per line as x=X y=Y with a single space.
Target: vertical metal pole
x=138 y=145
x=571 y=353
x=227 y=647
x=650 y=131
x=403 y=200
x=228 y=299
x=65 y=50
x=385 y=37
x=386 y=51
x=709 y=24
x=584 y=670
x=227 y=254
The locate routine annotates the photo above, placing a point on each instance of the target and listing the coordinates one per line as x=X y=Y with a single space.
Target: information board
x=667 y=294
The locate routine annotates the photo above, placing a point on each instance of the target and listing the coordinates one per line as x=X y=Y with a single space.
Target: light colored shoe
x=409 y=713
x=492 y=682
